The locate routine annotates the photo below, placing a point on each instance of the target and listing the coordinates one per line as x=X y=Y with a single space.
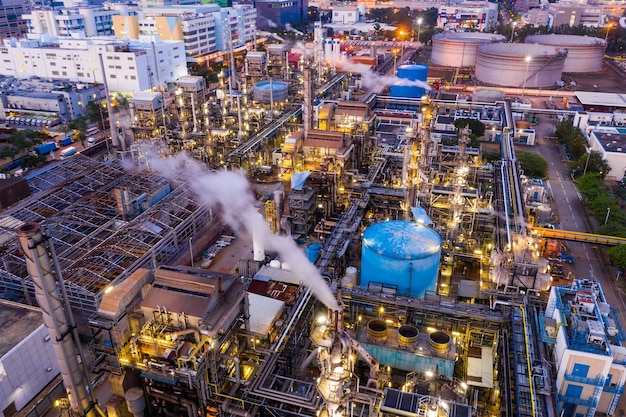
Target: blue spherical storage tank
x=410 y=73
x=401 y=254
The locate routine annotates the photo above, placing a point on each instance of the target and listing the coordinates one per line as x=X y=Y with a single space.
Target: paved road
x=572 y=216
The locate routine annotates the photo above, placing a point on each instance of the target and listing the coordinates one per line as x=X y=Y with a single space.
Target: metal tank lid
x=412 y=67
x=401 y=239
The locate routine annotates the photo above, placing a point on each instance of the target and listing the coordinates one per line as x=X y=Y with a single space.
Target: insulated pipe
x=192 y=409
x=54 y=316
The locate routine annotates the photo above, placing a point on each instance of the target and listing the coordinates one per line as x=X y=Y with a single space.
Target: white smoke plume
x=232 y=193
x=270 y=35
x=290 y=28
x=371 y=79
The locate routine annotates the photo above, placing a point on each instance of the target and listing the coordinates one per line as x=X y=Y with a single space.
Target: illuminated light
x=431 y=329
x=429 y=374
x=108 y=289
x=456 y=334
x=321 y=319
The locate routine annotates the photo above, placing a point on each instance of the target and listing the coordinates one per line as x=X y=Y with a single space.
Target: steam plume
x=231 y=191
x=371 y=79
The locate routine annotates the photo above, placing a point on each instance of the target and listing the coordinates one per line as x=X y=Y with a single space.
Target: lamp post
x=527 y=59
x=606 y=36
x=587 y=162
x=419 y=27
x=191 y=250
x=401 y=45
x=608 y=212
x=512 y=31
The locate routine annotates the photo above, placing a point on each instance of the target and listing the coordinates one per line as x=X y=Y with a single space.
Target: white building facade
x=127 y=66
x=86 y=20
x=588 y=349
x=204 y=29
x=345 y=14
x=477 y=15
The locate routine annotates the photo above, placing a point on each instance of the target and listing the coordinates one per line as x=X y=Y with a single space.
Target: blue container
x=401 y=254
x=313 y=251
x=409 y=73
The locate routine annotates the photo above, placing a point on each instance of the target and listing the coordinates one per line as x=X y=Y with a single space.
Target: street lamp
x=608 y=212
x=608 y=27
x=512 y=31
x=419 y=26
x=527 y=59
x=587 y=161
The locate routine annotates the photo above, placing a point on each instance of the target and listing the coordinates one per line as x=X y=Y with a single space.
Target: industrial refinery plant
x=314 y=238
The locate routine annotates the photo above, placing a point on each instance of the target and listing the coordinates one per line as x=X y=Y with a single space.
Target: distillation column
x=56 y=317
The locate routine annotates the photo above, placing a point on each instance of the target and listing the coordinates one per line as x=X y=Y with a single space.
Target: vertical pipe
x=306 y=110
x=54 y=316
x=114 y=138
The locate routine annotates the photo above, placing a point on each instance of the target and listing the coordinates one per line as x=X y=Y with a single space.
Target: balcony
x=578 y=401
x=597 y=381
x=614 y=389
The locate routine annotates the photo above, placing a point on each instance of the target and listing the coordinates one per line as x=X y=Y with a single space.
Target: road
x=567 y=205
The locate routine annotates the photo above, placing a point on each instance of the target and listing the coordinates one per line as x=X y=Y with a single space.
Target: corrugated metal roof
x=590 y=98
x=264 y=311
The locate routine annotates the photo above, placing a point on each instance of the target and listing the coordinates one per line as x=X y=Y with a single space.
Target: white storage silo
x=509 y=64
x=458 y=49
x=584 y=53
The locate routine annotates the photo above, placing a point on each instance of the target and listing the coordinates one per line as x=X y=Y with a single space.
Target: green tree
x=533 y=164
x=618 y=255
x=80 y=124
x=475 y=126
x=491 y=156
x=591 y=162
x=94 y=113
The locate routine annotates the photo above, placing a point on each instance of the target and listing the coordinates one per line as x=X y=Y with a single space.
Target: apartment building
x=204 y=29
x=127 y=66
x=65 y=21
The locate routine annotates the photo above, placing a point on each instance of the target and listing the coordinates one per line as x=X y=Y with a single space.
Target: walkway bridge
x=578 y=236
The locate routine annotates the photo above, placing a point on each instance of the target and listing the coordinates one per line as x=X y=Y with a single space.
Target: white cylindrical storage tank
x=267 y=91
x=328 y=49
x=275 y=263
x=509 y=64
x=135 y=401
x=584 y=53
x=458 y=49
x=336 y=50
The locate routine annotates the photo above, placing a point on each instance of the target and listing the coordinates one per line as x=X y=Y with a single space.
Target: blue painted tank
x=401 y=254
x=312 y=251
x=404 y=89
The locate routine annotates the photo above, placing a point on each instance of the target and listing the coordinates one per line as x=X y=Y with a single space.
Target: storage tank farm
x=584 y=53
x=402 y=254
x=509 y=64
x=411 y=73
x=458 y=49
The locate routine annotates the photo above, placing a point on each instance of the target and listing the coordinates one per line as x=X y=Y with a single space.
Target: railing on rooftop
x=598 y=381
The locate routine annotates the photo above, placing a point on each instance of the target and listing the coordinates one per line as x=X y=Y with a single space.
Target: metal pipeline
x=192 y=409
x=54 y=316
x=237 y=366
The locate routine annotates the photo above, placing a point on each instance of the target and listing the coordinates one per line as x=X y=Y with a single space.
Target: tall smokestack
x=258 y=246
x=306 y=110
x=55 y=317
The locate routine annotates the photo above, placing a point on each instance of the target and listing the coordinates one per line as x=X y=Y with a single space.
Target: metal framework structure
x=95 y=245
